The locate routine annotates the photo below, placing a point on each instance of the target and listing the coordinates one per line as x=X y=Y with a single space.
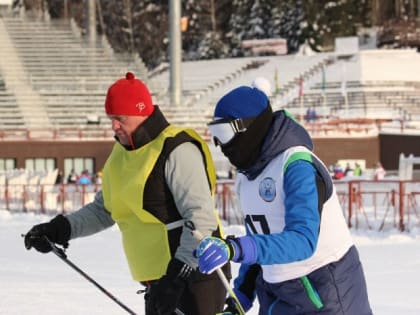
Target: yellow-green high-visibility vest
x=125 y=174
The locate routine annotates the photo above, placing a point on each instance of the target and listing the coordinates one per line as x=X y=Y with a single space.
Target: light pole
x=91 y=8
x=175 y=51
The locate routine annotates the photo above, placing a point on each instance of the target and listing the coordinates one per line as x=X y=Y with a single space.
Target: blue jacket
x=337 y=288
x=300 y=178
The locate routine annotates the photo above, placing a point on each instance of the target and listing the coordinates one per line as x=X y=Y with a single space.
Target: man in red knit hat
x=156 y=177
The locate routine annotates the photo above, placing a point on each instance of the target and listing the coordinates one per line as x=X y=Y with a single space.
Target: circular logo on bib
x=267 y=189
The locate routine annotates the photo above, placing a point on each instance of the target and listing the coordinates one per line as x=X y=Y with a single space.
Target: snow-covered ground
x=34 y=283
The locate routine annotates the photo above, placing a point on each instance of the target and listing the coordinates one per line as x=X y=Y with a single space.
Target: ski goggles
x=224 y=130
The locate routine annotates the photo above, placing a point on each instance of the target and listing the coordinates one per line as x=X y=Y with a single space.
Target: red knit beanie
x=129 y=97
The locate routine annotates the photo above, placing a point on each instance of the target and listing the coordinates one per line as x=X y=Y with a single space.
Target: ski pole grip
x=56 y=250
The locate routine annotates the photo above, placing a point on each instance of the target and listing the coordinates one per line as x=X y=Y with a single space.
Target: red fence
x=366 y=204
x=376 y=205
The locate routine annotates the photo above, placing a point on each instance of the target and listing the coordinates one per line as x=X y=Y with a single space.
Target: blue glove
x=213 y=253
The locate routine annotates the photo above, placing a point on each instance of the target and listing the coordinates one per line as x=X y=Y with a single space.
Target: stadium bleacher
x=54 y=77
x=59 y=77
x=53 y=84
x=10 y=114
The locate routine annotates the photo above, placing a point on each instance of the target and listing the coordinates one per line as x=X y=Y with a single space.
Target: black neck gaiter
x=244 y=149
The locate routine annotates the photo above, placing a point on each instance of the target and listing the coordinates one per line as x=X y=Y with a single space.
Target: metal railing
x=366 y=204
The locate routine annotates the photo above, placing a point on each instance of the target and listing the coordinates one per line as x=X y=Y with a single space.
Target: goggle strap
x=241 y=124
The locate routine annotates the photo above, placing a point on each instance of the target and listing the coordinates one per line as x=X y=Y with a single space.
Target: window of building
x=40 y=164
x=7 y=164
x=78 y=165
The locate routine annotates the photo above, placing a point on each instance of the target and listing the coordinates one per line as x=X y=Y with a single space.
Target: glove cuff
x=235 y=248
x=63 y=230
x=244 y=249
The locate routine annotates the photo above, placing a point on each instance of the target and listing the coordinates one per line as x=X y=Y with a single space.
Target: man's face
x=123 y=126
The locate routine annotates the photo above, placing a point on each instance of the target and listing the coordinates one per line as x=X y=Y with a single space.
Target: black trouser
x=340 y=287
x=205 y=296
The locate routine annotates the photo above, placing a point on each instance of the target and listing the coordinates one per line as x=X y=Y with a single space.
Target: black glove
x=164 y=294
x=232 y=308
x=58 y=231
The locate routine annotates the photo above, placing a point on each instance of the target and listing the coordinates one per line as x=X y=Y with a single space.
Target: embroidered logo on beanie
x=130 y=97
x=242 y=102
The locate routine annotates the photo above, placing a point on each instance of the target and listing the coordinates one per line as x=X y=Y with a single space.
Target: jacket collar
x=148 y=130
x=285 y=132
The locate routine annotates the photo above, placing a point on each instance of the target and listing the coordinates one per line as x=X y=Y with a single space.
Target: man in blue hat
x=298 y=256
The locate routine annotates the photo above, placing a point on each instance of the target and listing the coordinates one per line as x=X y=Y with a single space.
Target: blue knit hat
x=242 y=102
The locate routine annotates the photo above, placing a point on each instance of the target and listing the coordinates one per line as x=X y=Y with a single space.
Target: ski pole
x=199 y=236
x=62 y=255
